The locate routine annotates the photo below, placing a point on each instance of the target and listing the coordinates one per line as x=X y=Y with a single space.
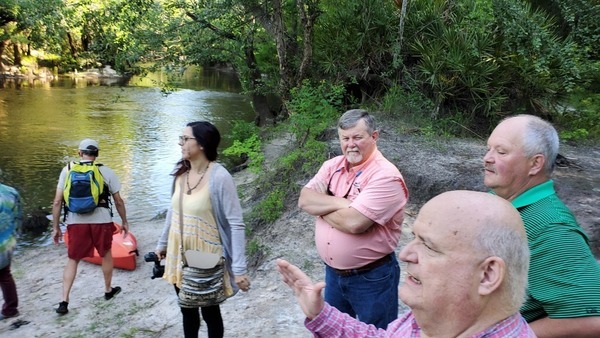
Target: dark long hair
x=207 y=136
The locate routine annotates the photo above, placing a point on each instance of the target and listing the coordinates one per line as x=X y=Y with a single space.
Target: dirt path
x=145 y=307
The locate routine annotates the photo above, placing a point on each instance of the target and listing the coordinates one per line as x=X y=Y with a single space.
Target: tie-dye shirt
x=11 y=216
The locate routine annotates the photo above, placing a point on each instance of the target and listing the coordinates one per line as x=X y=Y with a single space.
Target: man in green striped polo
x=563 y=298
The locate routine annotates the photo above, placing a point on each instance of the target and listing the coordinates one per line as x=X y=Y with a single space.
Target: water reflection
x=41 y=124
x=65 y=82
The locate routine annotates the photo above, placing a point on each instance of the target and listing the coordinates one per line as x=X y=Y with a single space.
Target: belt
x=366 y=268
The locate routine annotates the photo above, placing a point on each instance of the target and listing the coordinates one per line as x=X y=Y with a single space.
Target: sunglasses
x=347 y=192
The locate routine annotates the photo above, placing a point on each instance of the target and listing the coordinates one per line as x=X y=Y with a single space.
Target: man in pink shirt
x=358 y=199
x=466 y=275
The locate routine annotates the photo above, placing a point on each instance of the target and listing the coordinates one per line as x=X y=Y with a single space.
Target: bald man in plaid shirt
x=466 y=275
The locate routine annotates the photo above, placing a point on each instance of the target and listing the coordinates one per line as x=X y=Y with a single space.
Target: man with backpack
x=85 y=188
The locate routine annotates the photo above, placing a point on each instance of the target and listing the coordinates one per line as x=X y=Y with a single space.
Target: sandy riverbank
x=145 y=308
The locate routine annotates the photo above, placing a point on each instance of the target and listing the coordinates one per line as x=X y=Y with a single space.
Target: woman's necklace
x=187 y=181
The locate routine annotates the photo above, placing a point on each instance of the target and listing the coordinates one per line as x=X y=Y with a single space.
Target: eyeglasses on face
x=184 y=138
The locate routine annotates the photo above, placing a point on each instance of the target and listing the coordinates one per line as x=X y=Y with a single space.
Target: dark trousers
x=9 y=292
x=210 y=314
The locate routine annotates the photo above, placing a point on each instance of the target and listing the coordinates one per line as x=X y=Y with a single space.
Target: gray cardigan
x=230 y=221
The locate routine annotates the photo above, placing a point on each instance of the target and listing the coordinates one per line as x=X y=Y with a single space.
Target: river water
x=135 y=123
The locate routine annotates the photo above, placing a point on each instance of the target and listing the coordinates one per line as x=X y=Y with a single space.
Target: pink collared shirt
x=377 y=190
x=332 y=323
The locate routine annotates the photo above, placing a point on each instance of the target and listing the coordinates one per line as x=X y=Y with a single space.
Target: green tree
x=260 y=39
x=354 y=43
x=30 y=24
x=540 y=68
x=482 y=59
x=454 y=50
x=112 y=32
x=218 y=33
x=578 y=20
x=8 y=12
x=8 y=26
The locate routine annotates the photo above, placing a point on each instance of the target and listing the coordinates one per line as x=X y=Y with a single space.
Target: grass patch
x=579 y=120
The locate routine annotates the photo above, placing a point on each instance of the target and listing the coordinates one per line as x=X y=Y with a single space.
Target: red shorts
x=83 y=238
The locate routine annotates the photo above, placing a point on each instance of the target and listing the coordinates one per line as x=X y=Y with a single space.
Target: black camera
x=157 y=270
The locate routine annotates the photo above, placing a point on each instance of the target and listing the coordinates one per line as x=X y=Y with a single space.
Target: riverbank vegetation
x=461 y=65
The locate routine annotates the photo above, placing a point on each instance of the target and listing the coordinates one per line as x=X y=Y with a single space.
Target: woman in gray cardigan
x=206 y=195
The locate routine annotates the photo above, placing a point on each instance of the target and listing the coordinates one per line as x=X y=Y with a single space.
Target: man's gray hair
x=540 y=138
x=501 y=241
x=350 y=119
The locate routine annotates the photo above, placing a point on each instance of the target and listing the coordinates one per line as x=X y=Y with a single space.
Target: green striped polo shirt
x=564 y=276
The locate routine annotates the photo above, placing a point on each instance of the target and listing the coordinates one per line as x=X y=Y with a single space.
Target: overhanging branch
x=208 y=25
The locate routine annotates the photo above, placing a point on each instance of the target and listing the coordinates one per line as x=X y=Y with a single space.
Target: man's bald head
x=477 y=210
x=489 y=225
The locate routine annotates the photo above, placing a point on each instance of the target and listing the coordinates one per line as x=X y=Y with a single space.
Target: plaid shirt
x=333 y=323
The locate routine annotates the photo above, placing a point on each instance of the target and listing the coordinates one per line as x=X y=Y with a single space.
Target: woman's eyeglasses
x=184 y=139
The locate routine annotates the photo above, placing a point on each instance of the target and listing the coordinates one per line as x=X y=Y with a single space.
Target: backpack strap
x=65 y=209
x=105 y=194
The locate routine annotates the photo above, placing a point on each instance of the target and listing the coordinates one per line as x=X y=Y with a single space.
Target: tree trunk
x=72 y=45
x=17 y=52
x=308 y=14
x=261 y=109
x=259 y=100
x=86 y=39
x=291 y=72
x=285 y=71
x=398 y=52
x=3 y=45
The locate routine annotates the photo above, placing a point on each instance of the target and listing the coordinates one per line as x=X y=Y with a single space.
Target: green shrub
x=304 y=160
x=243 y=130
x=398 y=102
x=253 y=247
x=453 y=47
x=574 y=135
x=270 y=208
x=250 y=147
x=29 y=61
x=580 y=120
x=538 y=66
x=313 y=109
x=246 y=142
x=486 y=59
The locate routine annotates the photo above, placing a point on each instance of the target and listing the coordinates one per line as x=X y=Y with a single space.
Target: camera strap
x=181 y=248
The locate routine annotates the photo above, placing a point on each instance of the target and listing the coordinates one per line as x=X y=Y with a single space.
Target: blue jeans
x=372 y=296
